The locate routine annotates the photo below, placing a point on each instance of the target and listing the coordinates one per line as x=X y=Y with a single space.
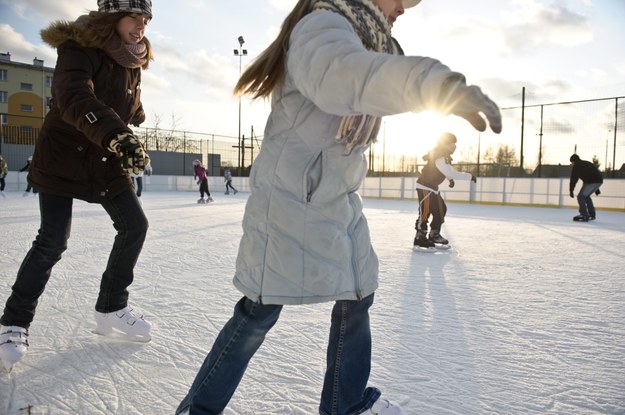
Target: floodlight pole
x=240 y=53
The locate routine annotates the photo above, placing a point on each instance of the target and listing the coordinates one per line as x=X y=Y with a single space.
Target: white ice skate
x=384 y=407
x=122 y=324
x=13 y=345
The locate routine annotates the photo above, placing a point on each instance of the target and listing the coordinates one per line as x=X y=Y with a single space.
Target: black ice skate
x=422 y=243
x=437 y=238
x=581 y=218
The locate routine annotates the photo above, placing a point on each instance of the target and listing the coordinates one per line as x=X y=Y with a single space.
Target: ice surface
x=525 y=315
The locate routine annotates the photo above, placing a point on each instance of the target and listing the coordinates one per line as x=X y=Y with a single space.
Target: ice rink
x=524 y=315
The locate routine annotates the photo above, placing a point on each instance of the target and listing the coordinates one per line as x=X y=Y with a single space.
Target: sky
x=527 y=321
x=559 y=50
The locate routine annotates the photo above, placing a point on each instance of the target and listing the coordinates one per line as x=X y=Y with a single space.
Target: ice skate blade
x=117 y=335
x=431 y=249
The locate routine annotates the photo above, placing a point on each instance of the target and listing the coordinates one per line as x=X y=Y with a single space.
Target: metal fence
x=540 y=133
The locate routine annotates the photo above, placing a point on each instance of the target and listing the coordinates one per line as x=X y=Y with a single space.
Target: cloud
x=536 y=25
x=22 y=50
x=34 y=10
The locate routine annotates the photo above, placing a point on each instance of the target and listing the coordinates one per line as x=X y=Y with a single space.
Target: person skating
x=86 y=151
x=228 y=180
x=4 y=170
x=29 y=185
x=437 y=168
x=332 y=73
x=592 y=180
x=199 y=174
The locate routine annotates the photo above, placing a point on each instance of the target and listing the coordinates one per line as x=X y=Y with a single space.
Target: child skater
x=228 y=180
x=332 y=72
x=437 y=169
x=86 y=151
x=199 y=174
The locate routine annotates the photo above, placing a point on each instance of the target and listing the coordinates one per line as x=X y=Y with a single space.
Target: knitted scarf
x=375 y=33
x=127 y=55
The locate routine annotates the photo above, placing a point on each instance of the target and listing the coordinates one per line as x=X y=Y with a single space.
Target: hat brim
x=410 y=3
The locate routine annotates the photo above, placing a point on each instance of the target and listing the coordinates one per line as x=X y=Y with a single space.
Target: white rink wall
x=490 y=190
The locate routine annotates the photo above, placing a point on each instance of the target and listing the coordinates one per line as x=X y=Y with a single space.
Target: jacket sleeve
x=574 y=178
x=329 y=65
x=450 y=172
x=75 y=97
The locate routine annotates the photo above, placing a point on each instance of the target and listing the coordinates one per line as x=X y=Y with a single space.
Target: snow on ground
x=523 y=316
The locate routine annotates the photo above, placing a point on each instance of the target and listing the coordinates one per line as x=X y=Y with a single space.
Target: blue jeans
x=51 y=241
x=586 y=207
x=345 y=388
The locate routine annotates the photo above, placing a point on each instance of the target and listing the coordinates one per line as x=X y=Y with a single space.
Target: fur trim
x=61 y=31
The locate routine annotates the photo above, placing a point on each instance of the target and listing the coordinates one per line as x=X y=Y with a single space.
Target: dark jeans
x=229 y=186
x=345 y=388
x=2 y=183
x=204 y=188
x=138 y=183
x=51 y=241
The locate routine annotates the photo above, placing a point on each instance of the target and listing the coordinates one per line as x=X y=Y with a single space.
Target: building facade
x=25 y=94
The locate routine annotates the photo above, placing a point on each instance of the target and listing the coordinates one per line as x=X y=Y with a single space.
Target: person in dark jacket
x=4 y=170
x=592 y=181
x=86 y=151
x=29 y=186
x=436 y=170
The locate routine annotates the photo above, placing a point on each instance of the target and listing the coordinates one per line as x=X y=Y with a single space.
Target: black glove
x=131 y=152
x=597 y=192
x=572 y=194
x=473 y=179
x=451 y=183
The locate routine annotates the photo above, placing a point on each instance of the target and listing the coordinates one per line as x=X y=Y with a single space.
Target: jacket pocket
x=63 y=157
x=313 y=175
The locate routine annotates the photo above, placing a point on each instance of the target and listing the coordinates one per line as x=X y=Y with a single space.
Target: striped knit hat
x=143 y=7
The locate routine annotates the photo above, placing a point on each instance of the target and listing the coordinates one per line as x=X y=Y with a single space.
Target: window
x=26 y=87
x=4 y=119
x=4 y=96
x=4 y=74
x=26 y=108
x=48 y=81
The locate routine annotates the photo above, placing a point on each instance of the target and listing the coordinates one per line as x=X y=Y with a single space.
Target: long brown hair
x=267 y=71
x=100 y=28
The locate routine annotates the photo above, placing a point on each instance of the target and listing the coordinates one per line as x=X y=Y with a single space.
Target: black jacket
x=585 y=170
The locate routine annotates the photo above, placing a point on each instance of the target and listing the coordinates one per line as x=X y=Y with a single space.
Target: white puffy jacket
x=305 y=237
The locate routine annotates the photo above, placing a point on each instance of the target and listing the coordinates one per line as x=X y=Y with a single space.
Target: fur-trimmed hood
x=61 y=31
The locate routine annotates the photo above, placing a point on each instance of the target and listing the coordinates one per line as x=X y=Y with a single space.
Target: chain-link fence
x=544 y=135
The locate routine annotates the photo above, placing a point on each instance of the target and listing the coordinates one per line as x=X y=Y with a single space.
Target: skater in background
x=86 y=151
x=228 y=180
x=4 y=170
x=305 y=239
x=437 y=168
x=592 y=180
x=199 y=174
x=137 y=178
x=29 y=185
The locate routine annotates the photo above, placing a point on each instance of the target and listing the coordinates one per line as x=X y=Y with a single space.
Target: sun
x=411 y=134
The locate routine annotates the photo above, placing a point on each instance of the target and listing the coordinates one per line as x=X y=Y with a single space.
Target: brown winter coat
x=93 y=99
